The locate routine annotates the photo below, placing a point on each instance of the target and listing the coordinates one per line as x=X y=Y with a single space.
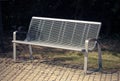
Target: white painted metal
x=67 y=20
x=30 y=50
x=14 y=45
x=86 y=54
x=47 y=45
x=60 y=33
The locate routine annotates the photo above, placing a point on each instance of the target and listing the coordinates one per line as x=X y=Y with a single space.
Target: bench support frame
x=14 y=46
x=86 y=54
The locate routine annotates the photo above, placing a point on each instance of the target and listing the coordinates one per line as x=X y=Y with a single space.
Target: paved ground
x=48 y=71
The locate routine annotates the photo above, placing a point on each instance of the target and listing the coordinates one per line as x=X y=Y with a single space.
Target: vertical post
x=86 y=56
x=99 y=56
x=85 y=62
x=14 y=46
x=14 y=51
x=30 y=50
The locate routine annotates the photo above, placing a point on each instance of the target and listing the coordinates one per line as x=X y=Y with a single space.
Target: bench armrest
x=99 y=52
x=17 y=32
x=14 y=35
x=88 y=41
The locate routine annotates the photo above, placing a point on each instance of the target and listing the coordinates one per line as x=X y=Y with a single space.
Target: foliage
x=19 y=12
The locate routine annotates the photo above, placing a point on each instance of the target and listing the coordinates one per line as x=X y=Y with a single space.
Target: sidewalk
x=48 y=71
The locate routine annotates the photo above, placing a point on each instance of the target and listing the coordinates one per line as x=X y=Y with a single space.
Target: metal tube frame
x=86 y=55
x=14 y=46
x=30 y=50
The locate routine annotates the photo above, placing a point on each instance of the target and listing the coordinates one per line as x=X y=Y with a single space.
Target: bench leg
x=99 y=57
x=86 y=56
x=14 y=51
x=85 y=62
x=30 y=50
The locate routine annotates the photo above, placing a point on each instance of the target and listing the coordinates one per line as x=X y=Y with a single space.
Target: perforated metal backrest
x=62 y=32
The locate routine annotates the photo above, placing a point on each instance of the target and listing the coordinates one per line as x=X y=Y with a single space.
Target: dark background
x=15 y=14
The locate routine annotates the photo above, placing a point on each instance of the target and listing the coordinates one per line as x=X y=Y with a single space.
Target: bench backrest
x=64 y=32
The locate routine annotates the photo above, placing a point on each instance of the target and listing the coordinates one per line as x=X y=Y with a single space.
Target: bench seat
x=67 y=34
x=44 y=44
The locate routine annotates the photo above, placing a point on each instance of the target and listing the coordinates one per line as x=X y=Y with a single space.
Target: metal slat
x=62 y=32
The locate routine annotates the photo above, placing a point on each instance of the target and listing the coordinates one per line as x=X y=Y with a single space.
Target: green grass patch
x=111 y=60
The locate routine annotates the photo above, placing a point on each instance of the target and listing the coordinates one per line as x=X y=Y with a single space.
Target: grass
x=111 y=60
x=111 y=57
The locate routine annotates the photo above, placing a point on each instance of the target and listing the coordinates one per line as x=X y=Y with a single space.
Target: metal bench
x=62 y=33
